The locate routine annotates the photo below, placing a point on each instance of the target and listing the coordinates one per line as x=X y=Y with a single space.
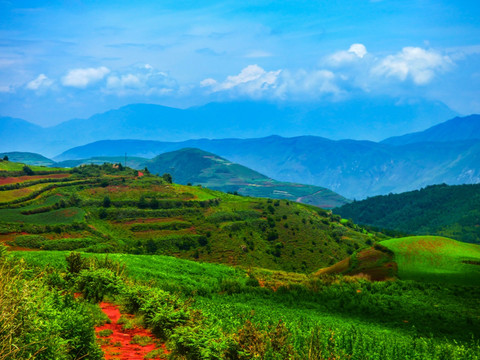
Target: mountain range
x=445 y=153
x=354 y=169
x=340 y=120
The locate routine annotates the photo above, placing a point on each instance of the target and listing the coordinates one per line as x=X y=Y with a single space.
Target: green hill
x=196 y=166
x=133 y=162
x=110 y=208
x=451 y=211
x=423 y=258
x=28 y=158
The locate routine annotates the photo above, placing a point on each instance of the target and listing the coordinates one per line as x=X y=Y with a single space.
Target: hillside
x=113 y=209
x=194 y=166
x=451 y=211
x=354 y=169
x=133 y=162
x=421 y=258
x=28 y=158
x=457 y=129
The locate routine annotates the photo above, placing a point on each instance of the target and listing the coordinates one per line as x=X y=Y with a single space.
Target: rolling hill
x=421 y=258
x=451 y=211
x=28 y=158
x=194 y=166
x=111 y=209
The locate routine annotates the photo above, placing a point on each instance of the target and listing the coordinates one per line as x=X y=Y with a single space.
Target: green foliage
x=451 y=211
x=39 y=322
x=95 y=284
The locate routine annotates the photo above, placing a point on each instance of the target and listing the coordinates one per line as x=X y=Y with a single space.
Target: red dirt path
x=118 y=345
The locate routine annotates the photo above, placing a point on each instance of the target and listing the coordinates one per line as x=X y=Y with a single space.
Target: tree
x=142 y=203
x=27 y=170
x=106 y=202
x=167 y=178
x=5 y=158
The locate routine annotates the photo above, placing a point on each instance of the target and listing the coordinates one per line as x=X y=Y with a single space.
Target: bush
x=95 y=284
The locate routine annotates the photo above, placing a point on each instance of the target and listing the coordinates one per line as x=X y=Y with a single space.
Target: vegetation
x=451 y=211
x=219 y=313
x=268 y=306
x=110 y=208
x=194 y=166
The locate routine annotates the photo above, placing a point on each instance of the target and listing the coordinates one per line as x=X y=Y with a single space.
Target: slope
x=111 y=209
x=421 y=258
x=451 y=211
x=196 y=166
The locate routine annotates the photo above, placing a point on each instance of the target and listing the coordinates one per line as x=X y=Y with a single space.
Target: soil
x=118 y=346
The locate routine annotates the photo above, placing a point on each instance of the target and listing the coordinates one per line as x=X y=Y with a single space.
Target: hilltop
x=195 y=166
x=451 y=211
x=110 y=208
x=421 y=258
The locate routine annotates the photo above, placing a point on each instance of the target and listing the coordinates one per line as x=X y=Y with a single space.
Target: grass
x=436 y=258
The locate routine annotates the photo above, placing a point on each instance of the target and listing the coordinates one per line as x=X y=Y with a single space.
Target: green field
x=346 y=317
x=435 y=258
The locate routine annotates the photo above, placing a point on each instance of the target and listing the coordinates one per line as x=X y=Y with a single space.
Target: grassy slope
x=200 y=167
x=185 y=221
x=424 y=258
x=451 y=211
x=433 y=258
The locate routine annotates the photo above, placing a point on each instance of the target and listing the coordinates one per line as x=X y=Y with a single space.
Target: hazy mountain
x=459 y=128
x=355 y=169
x=356 y=119
x=196 y=166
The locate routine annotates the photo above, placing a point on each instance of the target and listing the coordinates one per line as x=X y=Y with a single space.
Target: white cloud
x=140 y=80
x=81 y=78
x=358 y=49
x=208 y=82
x=42 y=81
x=124 y=81
x=355 y=52
x=412 y=62
x=252 y=79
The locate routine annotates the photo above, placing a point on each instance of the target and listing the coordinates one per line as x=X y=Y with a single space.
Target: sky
x=71 y=59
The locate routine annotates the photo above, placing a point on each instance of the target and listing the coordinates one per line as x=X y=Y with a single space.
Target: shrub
x=95 y=284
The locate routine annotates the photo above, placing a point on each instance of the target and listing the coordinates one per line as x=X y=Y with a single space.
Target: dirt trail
x=118 y=346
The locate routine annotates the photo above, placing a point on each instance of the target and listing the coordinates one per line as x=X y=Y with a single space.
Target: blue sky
x=69 y=59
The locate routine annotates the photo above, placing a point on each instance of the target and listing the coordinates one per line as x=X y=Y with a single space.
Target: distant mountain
x=196 y=166
x=339 y=120
x=452 y=211
x=459 y=128
x=355 y=169
x=28 y=158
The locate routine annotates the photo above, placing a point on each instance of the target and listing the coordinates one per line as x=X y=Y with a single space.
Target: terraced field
x=109 y=208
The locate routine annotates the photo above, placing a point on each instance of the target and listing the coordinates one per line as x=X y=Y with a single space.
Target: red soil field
x=20 y=179
x=118 y=344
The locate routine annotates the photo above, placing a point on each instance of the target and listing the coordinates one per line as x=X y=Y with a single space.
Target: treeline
x=452 y=211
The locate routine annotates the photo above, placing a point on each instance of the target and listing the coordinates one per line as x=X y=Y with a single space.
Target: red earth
x=118 y=345
x=20 y=179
